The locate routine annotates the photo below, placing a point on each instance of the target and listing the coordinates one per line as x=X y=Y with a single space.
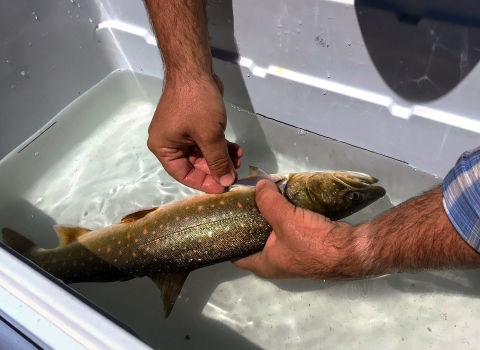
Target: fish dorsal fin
x=254 y=171
x=136 y=215
x=69 y=234
x=170 y=286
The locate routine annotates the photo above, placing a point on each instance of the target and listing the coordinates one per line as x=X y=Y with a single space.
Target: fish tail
x=18 y=242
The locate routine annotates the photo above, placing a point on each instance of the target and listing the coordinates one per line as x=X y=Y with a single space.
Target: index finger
x=215 y=150
x=183 y=170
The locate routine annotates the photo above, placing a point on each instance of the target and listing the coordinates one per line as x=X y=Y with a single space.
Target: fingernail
x=261 y=183
x=226 y=180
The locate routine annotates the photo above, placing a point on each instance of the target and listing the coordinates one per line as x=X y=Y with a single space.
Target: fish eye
x=355 y=196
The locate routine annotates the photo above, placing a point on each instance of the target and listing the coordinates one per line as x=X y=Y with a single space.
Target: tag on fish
x=255 y=175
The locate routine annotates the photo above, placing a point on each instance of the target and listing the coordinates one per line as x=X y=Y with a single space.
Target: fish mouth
x=376 y=192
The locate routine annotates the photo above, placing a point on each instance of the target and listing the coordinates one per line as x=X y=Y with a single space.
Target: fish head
x=335 y=194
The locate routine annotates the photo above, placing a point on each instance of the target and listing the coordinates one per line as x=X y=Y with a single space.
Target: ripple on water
x=108 y=174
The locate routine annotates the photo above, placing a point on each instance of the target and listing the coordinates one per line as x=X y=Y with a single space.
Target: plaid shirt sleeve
x=461 y=197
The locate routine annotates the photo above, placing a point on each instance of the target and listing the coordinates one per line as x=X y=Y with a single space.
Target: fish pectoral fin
x=69 y=234
x=255 y=171
x=170 y=286
x=136 y=215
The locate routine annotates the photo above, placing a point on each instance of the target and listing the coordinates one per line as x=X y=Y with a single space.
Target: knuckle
x=261 y=198
x=261 y=273
x=262 y=204
x=219 y=163
x=214 y=134
x=160 y=152
x=151 y=144
x=286 y=208
x=263 y=189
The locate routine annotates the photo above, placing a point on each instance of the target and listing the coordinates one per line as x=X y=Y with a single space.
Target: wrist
x=188 y=71
x=348 y=252
x=181 y=77
x=364 y=254
x=183 y=84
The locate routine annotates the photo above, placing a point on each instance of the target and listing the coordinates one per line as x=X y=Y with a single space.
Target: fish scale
x=223 y=231
x=168 y=242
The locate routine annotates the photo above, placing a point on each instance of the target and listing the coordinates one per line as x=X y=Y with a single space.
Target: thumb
x=273 y=205
x=219 y=83
x=215 y=151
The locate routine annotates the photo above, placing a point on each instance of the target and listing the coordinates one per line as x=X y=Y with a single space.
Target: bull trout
x=168 y=242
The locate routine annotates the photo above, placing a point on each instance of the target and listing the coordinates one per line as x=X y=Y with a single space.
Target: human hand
x=187 y=134
x=303 y=244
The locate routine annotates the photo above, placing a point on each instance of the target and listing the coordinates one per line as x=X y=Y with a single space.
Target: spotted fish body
x=183 y=235
x=168 y=242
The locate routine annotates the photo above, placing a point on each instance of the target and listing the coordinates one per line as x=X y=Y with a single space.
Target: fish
x=167 y=242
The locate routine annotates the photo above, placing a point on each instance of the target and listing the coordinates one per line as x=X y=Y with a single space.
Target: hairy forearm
x=415 y=235
x=182 y=35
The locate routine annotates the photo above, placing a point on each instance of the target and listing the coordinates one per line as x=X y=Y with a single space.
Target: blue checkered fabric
x=461 y=197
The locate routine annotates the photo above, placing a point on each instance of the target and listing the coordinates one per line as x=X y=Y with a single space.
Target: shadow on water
x=422 y=49
x=139 y=302
x=20 y=215
x=447 y=282
x=226 y=57
x=453 y=282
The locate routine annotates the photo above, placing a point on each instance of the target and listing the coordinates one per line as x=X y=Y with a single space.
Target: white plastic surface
x=358 y=75
x=104 y=171
x=327 y=67
x=353 y=74
x=12 y=340
x=350 y=72
x=50 y=316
